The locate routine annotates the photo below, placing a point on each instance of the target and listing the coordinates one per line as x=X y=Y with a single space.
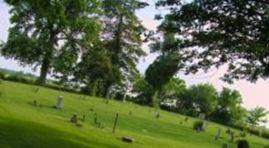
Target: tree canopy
x=49 y=33
x=215 y=32
x=229 y=110
x=201 y=98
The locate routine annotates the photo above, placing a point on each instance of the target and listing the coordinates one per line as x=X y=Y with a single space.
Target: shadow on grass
x=23 y=134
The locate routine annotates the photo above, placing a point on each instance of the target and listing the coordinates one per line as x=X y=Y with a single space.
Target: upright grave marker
x=59 y=102
x=217 y=136
x=74 y=119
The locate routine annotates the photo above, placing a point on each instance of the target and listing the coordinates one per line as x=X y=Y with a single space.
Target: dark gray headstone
x=74 y=118
x=127 y=139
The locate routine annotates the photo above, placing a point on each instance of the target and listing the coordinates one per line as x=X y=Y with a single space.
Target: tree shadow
x=24 y=134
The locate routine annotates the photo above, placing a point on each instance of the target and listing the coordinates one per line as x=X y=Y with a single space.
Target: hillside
x=23 y=125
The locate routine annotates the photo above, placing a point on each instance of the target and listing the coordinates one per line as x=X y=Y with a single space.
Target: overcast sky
x=253 y=94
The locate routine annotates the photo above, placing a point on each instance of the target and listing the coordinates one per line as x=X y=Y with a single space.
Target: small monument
x=74 y=119
x=83 y=118
x=217 y=136
x=157 y=115
x=127 y=139
x=202 y=116
x=231 y=136
x=59 y=102
x=95 y=119
x=35 y=103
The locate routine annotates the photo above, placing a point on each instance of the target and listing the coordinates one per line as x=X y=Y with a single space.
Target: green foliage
x=95 y=70
x=257 y=115
x=162 y=70
x=122 y=36
x=228 y=110
x=173 y=89
x=201 y=98
x=219 y=32
x=50 y=34
x=144 y=91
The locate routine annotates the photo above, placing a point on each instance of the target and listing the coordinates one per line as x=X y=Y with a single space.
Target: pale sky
x=253 y=94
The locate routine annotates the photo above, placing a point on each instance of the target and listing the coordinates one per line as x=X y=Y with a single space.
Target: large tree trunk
x=44 y=71
x=47 y=57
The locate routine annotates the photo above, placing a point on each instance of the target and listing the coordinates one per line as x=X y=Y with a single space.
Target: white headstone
x=59 y=102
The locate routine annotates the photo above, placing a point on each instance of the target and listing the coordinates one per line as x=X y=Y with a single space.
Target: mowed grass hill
x=23 y=125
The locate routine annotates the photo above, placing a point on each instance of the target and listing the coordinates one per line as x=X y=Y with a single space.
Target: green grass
x=24 y=126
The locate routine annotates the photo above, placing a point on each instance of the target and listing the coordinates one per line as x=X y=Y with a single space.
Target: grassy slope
x=25 y=126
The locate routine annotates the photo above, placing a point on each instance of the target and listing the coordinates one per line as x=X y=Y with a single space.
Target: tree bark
x=48 y=55
x=44 y=71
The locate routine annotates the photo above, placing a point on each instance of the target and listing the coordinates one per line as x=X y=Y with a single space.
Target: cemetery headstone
x=127 y=139
x=99 y=124
x=199 y=126
x=95 y=119
x=59 y=102
x=157 y=115
x=74 y=118
x=202 y=116
x=35 y=103
x=228 y=131
x=231 y=136
x=217 y=136
x=83 y=118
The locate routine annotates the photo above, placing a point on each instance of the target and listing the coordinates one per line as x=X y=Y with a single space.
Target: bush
x=198 y=126
x=242 y=143
x=266 y=146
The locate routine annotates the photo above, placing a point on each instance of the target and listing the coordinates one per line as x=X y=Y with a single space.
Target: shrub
x=198 y=126
x=242 y=143
x=266 y=146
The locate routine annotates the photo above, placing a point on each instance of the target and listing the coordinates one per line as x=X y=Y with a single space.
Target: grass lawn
x=23 y=125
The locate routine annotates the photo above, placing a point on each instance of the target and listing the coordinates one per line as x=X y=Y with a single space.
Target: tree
x=228 y=110
x=256 y=116
x=201 y=98
x=122 y=36
x=143 y=90
x=95 y=70
x=51 y=34
x=173 y=89
x=216 y=32
x=160 y=72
